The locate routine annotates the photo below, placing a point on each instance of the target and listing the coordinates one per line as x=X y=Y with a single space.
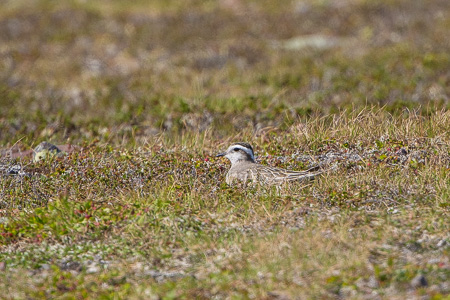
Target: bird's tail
x=309 y=174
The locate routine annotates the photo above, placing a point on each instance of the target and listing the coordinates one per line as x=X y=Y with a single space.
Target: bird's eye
x=236 y=149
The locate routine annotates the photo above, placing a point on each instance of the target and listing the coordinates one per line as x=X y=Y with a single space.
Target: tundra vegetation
x=149 y=91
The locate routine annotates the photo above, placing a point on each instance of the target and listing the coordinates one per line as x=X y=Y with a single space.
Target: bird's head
x=239 y=152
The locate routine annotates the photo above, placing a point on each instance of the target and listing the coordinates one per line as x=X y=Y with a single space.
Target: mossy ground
x=151 y=91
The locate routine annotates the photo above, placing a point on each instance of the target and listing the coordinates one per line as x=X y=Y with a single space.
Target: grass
x=161 y=220
x=151 y=91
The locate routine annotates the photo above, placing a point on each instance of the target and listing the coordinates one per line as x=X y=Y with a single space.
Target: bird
x=244 y=168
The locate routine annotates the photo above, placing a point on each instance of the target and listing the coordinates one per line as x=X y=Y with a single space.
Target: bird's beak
x=221 y=154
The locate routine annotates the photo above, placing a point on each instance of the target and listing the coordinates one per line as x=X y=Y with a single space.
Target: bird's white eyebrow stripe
x=247 y=150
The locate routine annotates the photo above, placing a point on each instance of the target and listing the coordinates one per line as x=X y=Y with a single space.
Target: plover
x=244 y=168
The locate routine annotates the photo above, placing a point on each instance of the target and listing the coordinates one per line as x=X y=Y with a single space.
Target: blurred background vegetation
x=72 y=71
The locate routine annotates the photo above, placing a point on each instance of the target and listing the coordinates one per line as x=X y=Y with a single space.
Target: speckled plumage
x=244 y=168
